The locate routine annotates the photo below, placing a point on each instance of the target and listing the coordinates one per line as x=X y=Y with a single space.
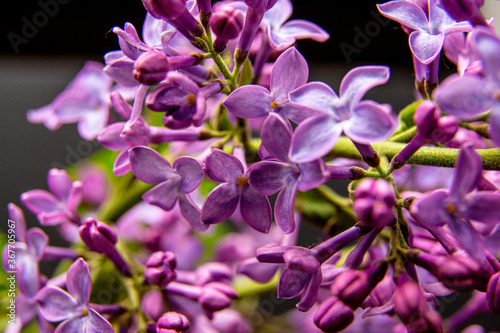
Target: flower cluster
x=225 y=149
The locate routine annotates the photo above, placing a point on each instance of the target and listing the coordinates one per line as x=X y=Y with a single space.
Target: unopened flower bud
x=171 y=322
x=216 y=296
x=98 y=236
x=333 y=315
x=493 y=292
x=226 y=23
x=160 y=268
x=431 y=125
x=461 y=272
x=151 y=68
x=373 y=203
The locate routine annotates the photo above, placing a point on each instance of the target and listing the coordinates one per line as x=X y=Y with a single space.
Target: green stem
x=431 y=156
x=339 y=201
x=481 y=129
x=405 y=136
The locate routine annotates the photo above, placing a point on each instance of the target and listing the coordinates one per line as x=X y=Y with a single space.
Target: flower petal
x=78 y=281
x=312 y=174
x=36 y=241
x=16 y=214
x=92 y=122
x=56 y=304
x=429 y=208
x=255 y=209
x=316 y=95
x=223 y=167
x=283 y=208
x=292 y=283
x=149 y=166
x=276 y=136
x=464 y=96
x=38 y=201
x=405 y=13
x=191 y=171
x=483 y=207
x=359 y=80
x=59 y=183
x=220 y=204
x=314 y=138
x=488 y=50
x=28 y=277
x=122 y=163
x=110 y=137
x=164 y=195
x=191 y=212
x=290 y=71
x=256 y=270
x=469 y=168
x=426 y=47
x=370 y=122
x=310 y=294
x=250 y=101
x=495 y=124
x=468 y=237
x=268 y=177
x=298 y=29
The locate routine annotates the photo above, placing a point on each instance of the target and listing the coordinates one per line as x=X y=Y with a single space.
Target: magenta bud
x=216 y=296
x=374 y=200
x=431 y=125
x=171 y=322
x=226 y=22
x=98 y=236
x=333 y=315
x=160 y=268
x=151 y=68
x=165 y=9
x=461 y=272
x=493 y=292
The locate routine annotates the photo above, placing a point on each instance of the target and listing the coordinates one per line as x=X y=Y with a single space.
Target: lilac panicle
x=362 y=121
x=455 y=207
x=171 y=322
x=234 y=189
x=60 y=204
x=72 y=307
x=270 y=176
x=174 y=182
x=290 y=72
x=84 y=101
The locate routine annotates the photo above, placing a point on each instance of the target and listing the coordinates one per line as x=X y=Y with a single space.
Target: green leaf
x=406 y=117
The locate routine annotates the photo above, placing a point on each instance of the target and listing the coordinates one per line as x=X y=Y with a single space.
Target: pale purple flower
x=429 y=29
x=174 y=182
x=84 y=101
x=290 y=72
x=280 y=173
x=72 y=306
x=456 y=206
x=470 y=95
x=60 y=204
x=362 y=121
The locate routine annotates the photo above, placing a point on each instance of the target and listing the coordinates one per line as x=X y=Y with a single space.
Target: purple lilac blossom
x=280 y=173
x=235 y=190
x=84 y=101
x=60 y=204
x=456 y=206
x=72 y=306
x=470 y=95
x=290 y=72
x=174 y=182
x=363 y=122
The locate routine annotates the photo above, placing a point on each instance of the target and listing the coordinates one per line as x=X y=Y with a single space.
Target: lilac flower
x=362 y=121
x=254 y=101
x=84 y=101
x=171 y=322
x=468 y=96
x=182 y=100
x=270 y=176
x=160 y=268
x=235 y=189
x=60 y=204
x=72 y=307
x=125 y=135
x=226 y=22
x=174 y=182
x=456 y=206
x=429 y=29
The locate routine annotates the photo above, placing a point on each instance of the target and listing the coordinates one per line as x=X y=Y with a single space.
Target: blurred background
x=44 y=43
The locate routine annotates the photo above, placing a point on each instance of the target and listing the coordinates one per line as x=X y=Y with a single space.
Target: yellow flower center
x=274 y=105
x=191 y=99
x=242 y=181
x=450 y=209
